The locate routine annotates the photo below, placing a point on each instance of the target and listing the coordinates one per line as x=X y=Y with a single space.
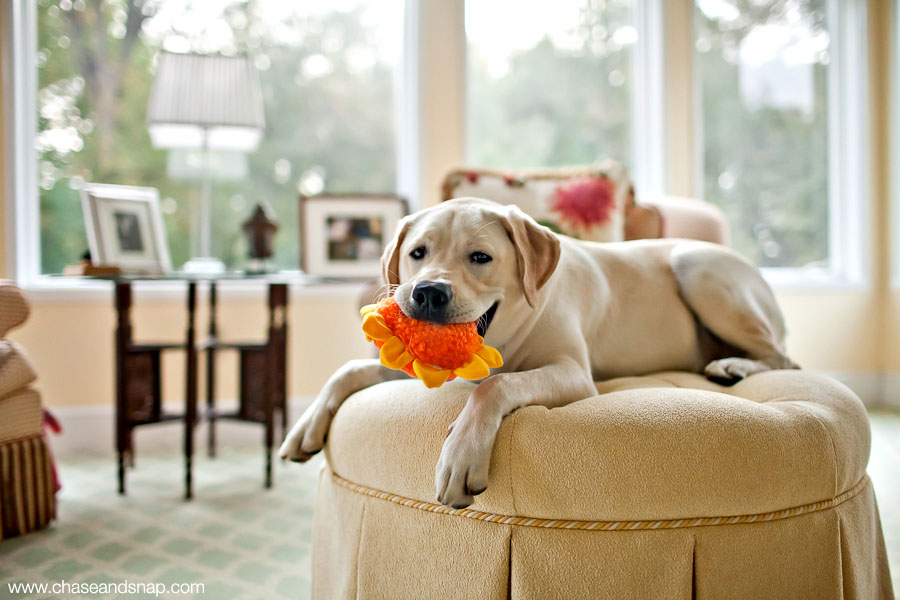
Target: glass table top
x=291 y=277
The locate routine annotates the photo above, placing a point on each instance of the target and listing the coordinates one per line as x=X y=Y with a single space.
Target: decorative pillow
x=588 y=203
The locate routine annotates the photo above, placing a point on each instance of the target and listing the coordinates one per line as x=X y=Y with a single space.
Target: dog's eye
x=418 y=253
x=480 y=258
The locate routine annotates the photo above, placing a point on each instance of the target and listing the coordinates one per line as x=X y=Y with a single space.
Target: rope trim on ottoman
x=601 y=525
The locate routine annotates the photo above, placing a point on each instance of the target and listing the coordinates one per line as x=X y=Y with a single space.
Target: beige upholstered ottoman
x=664 y=486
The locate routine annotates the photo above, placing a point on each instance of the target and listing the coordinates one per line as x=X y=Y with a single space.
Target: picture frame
x=344 y=235
x=125 y=228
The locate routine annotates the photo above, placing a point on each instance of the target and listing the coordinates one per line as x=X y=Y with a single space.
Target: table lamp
x=210 y=103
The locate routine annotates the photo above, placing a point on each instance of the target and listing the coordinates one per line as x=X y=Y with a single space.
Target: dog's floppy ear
x=537 y=251
x=390 y=259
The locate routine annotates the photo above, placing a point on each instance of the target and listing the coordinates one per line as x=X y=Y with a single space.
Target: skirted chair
x=27 y=480
x=661 y=486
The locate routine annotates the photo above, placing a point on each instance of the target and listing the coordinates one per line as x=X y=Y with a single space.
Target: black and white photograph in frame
x=125 y=228
x=345 y=235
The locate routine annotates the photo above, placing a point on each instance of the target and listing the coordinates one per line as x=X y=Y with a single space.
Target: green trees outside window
x=327 y=71
x=549 y=84
x=763 y=80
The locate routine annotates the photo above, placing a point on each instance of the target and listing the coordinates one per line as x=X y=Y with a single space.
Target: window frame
x=848 y=142
x=647 y=126
x=22 y=208
x=848 y=150
x=648 y=90
x=420 y=154
x=893 y=114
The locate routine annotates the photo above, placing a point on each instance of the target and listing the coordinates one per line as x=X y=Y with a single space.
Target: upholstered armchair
x=27 y=480
x=641 y=215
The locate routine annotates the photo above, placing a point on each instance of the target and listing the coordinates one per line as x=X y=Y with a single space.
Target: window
x=764 y=70
x=549 y=83
x=779 y=94
x=328 y=74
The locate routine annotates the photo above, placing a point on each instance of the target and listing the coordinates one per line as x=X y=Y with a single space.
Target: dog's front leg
x=462 y=470
x=307 y=436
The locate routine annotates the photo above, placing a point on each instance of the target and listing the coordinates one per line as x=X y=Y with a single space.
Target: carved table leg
x=190 y=413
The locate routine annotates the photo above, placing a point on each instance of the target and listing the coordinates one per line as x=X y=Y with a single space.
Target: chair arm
x=14 y=307
x=689 y=218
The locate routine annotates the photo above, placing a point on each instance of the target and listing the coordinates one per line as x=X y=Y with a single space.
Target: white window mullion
x=848 y=139
x=647 y=129
x=846 y=187
x=20 y=106
x=408 y=110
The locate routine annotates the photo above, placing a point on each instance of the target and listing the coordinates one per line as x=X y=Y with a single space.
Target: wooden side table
x=261 y=375
x=263 y=368
x=139 y=382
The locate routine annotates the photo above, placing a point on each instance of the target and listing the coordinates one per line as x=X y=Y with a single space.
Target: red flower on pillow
x=585 y=202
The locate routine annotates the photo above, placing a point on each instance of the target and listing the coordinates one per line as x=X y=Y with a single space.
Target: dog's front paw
x=462 y=469
x=307 y=436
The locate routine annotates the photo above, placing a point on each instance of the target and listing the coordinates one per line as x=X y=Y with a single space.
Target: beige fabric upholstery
x=647 y=216
x=16 y=372
x=688 y=218
x=669 y=447
x=15 y=369
x=27 y=480
x=20 y=415
x=14 y=307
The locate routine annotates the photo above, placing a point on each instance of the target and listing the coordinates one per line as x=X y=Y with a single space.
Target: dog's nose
x=431 y=297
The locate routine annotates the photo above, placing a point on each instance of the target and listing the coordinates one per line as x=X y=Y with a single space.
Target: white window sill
x=812 y=280
x=54 y=290
x=44 y=289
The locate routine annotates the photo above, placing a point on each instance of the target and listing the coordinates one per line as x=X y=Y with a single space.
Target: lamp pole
x=203 y=260
x=206 y=202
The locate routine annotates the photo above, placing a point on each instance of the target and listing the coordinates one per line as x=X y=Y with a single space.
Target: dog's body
x=563 y=313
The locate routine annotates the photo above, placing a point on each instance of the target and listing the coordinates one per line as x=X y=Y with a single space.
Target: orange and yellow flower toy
x=432 y=352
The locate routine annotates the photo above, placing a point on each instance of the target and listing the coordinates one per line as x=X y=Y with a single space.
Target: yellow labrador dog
x=563 y=313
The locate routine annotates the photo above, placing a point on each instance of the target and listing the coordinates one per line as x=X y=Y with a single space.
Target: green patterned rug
x=237 y=539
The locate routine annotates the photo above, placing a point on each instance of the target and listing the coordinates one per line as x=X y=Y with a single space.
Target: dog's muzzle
x=430 y=301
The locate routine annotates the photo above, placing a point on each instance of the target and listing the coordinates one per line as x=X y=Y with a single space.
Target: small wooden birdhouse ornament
x=260 y=230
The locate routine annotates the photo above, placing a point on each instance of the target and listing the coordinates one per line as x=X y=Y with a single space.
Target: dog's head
x=459 y=261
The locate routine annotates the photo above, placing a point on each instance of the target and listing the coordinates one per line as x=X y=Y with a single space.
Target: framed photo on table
x=125 y=228
x=344 y=235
